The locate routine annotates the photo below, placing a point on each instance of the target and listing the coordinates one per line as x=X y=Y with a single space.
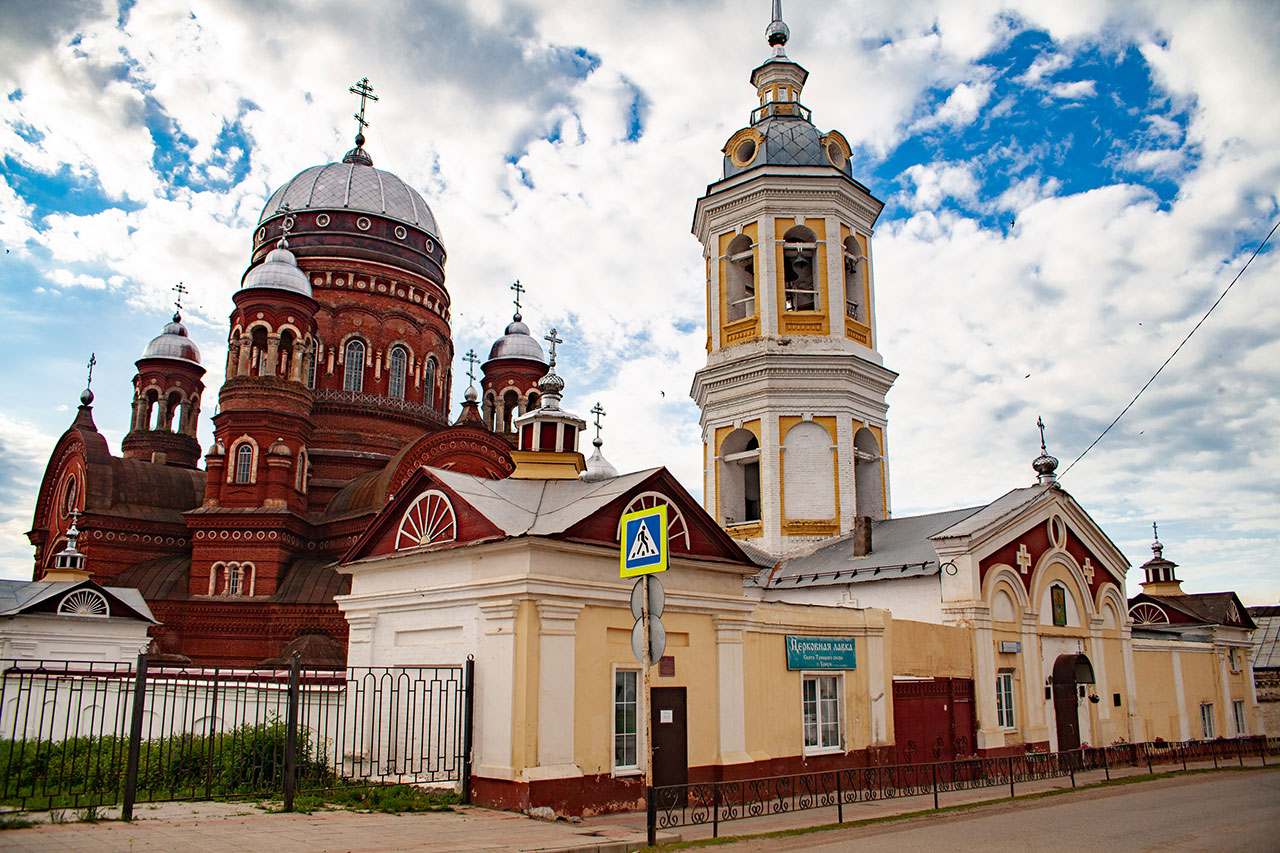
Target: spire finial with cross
x=1040 y=423
x=471 y=359
x=93 y=359
x=365 y=91
x=599 y=412
x=519 y=289
x=181 y=290
x=553 y=340
x=1155 y=532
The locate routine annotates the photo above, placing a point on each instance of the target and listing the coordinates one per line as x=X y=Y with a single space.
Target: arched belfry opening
x=854 y=266
x=740 y=478
x=868 y=474
x=799 y=252
x=740 y=279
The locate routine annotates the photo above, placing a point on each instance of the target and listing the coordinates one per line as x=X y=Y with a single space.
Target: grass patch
x=389 y=799
x=10 y=822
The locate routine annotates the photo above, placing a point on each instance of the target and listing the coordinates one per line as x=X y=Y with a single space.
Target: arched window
x=740 y=279
x=488 y=410
x=70 y=495
x=854 y=266
x=534 y=401
x=510 y=408
x=151 y=418
x=429 y=381
x=84 y=602
x=171 y=404
x=244 y=463
x=258 y=365
x=868 y=475
x=313 y=356
x=809 y=477
x=740 y=478
x=428 y=520
x=284 y=355
x=300 y=475
x=353 y=373
x=397 y=365
x=798 y=255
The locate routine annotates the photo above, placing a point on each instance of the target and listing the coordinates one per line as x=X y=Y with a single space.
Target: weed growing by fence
x=243 y=761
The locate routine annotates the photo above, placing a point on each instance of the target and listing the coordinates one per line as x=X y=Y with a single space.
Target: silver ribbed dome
x=278 y=272
x=516 y=342
x=352 y=186
x=173 y=342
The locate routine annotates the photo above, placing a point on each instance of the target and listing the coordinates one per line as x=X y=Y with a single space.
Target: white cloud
x=937 y=182
x=1074 y=91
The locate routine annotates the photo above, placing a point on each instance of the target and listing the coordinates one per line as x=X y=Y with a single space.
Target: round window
x=322 y=220
x=363 y=223
x=745 y=152
x=836 y=155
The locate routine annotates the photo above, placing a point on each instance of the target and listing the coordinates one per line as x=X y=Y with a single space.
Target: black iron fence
x=78 y=734
x=713 y=803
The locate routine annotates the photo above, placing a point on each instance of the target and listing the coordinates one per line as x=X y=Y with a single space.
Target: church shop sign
x=820 y=653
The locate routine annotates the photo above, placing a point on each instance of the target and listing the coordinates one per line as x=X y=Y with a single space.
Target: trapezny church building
x=339 y=510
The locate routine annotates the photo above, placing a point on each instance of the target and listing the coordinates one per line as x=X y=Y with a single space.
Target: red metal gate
x=933 y=720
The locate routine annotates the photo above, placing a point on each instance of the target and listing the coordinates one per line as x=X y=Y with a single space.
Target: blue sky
x=1068 y=188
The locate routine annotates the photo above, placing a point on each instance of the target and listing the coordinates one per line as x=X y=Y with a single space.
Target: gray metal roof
x=278 y=272
x=1266 y=639
x=980 y=518
x=788 y=141
x=17 y=597
x=352 y=186
x=516 y=342
x=537 y=507
x=901 y=547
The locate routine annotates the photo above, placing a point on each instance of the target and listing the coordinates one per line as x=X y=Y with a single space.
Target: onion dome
x=516 y=342
x=278 y=272
x=86 y=397
x=353 y=185
x=1044 y=465
x=598 y=468
x=172 y=342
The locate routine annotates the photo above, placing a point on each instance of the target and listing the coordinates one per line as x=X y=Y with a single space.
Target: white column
x=495 y=690
x=984 y=679
x=877 y=687
x=845 y=471
x=1228 y=717
x=1034 y=726
x=556 y=627
x=1098 y=656
x=770 y=482
x=731 y=697
x=1137 y=726
x=767 y=278
x=835 y=277
x=1184 y=725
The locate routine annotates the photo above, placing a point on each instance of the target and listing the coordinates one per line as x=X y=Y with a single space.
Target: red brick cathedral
x=337 y=389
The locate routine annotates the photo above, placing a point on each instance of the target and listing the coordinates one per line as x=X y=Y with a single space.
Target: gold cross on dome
x=1024 y=558
x=365 y=91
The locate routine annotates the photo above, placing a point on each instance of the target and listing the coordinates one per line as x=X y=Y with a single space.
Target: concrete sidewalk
x=217 y=827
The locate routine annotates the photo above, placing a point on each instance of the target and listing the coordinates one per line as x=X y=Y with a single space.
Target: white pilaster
x=556 y=699
x=767 y=280
x=877 y=687
x=1137 y=727
x=1228 y=717
x=495 y=690
x=731 y=696
x=845 y=471
x=1098 y=657
x=1184 y=724
x=770 y=482
x=1035 y=726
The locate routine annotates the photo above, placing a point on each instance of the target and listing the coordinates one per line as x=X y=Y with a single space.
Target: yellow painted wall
x=925 y=650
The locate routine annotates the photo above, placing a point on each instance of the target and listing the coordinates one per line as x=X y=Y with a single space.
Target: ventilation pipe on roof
x=861 y=535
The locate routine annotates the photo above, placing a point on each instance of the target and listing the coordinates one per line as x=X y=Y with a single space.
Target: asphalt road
x=1219 y=811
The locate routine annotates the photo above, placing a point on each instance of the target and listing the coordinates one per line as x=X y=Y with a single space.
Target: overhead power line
x=1221 y=296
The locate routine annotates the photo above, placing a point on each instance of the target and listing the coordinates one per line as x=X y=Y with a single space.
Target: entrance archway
x=1068 y=672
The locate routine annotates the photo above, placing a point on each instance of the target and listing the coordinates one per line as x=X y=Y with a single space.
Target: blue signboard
x=821 y=653
x=644 y=541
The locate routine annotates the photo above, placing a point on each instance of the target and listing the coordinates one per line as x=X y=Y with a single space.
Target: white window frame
x=397 y=373
x=1207 y=721
x=626 y=769
x=1233 y=654
x=244 y=463
x=353 y=368
x=1242 y=718
x=1005 y=705
x=821 y=721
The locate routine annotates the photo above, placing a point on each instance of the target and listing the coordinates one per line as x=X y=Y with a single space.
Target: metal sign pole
x=651 y=811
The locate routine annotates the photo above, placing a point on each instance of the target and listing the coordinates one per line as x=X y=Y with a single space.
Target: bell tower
x=793 y=392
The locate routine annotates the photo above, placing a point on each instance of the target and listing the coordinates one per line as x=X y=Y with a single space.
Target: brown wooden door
x=670 y=736
x=1066 y=712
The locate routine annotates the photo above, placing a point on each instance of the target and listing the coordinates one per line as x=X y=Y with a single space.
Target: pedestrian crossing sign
x=644 y=541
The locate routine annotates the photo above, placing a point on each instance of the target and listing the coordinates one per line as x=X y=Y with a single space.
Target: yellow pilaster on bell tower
x=792 y=396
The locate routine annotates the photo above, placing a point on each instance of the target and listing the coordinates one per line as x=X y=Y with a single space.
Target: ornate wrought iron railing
x=377 y=401
x=700 y=803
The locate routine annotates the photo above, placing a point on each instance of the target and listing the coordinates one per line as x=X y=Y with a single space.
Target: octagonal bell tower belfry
x=792 y=397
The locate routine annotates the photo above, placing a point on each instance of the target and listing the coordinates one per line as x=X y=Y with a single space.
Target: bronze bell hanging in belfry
x=801 y=259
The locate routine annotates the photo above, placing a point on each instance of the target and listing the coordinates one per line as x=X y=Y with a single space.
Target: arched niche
x=740 y=478
x=868 y=474
x=808 y=466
